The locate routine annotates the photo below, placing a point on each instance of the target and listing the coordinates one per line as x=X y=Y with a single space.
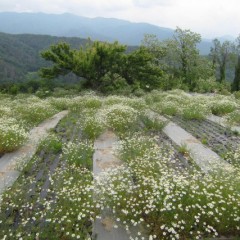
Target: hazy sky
x=210 y=18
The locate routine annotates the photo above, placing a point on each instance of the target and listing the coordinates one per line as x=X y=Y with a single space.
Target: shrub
x=222 y=107
x=194 y=111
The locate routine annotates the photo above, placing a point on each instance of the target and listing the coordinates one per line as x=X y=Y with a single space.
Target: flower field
x=158 y=187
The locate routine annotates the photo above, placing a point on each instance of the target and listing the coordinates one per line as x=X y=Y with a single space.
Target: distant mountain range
x=25 y=35
x=69 y=25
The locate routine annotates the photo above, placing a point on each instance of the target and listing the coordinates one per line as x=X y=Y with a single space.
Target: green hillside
x=20 y=54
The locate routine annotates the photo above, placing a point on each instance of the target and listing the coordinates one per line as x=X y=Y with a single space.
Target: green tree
x=141 y=67
x=185 y=42
x=183 y=61
x=98 y=59
x=98 y=62
x=62 y=57
x=236 y=81
x=91 y=63
x=154 y=46
x=221 y=55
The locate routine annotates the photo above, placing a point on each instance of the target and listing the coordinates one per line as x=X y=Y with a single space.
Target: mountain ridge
x=99 y=28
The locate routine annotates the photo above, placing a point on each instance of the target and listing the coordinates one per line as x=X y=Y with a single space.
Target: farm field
x=157 y=188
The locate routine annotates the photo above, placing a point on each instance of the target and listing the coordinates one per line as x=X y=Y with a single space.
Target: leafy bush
x=222 y=107
x=195 y=111
x=113 y=83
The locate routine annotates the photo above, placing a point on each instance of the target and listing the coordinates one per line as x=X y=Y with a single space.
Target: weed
x=204 y=140
x=152 y=124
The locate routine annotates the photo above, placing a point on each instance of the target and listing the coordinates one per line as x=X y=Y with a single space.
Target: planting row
x=155 y=188
x=218 y=138
x=194 y=107
x=19 y=114
x=55 y=185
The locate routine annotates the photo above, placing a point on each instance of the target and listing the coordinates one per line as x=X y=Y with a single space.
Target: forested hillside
x=20 y=54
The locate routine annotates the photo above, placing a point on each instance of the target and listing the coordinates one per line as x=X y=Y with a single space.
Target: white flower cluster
x=12 y=134
x=119 y=117
x=79 y=154
x=172 y=204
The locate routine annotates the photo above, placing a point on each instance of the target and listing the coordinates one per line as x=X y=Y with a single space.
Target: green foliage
x=104 y=66
x=183 y=149
x=185 y=54
x=221 y=55
x=140 y=68
x=113 y=83
x=208 y=85
x=91 y=63
x=179 y=60
x=237 y=94
x=98 y=59
x=236 y=81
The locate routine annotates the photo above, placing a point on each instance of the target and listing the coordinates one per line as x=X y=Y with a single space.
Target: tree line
x=114 y=68
x=175 y=62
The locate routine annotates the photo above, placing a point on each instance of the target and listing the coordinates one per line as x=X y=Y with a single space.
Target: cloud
x=151 y=3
